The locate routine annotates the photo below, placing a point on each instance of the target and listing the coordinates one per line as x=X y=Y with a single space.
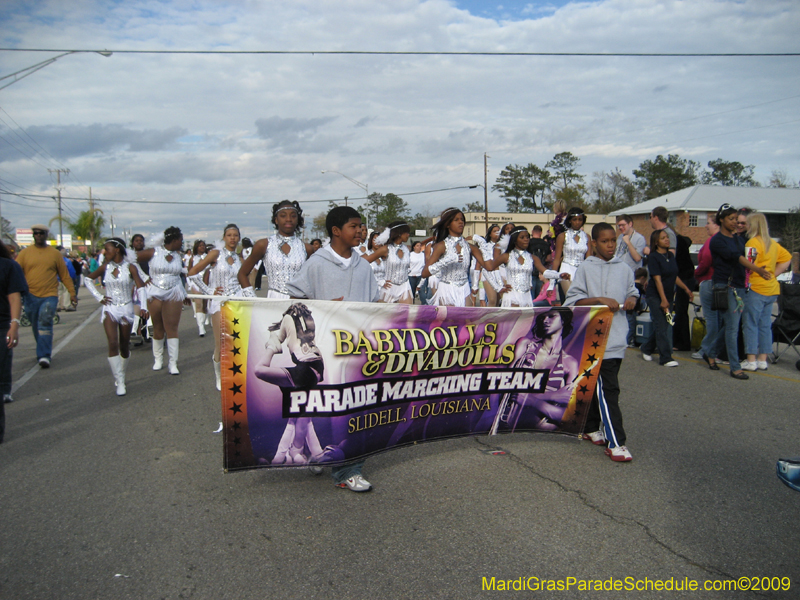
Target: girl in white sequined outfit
x=521 y=265
x=283 y=253
x=165 y=294
x=391 y=249
x=493 y=283
x=120 y=278
x=223 y=264
x=200 y=305
x=449 y=260
x=572 y=246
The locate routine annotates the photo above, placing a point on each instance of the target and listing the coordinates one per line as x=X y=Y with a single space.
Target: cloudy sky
x=206 y=129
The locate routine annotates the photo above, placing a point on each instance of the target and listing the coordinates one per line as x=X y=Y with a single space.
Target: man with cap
x=43 y=265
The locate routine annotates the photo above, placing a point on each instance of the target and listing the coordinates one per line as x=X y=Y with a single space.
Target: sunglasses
x=725 y=207
x=39 y=232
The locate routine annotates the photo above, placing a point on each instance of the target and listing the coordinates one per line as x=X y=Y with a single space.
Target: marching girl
x=377 y=264
x=493 y=282
x=512 y=251
x=393 y=253
x=119 y=278
x=165 y=294
x=572 y=245
x=200 y=305
x=224 y=265
x=283 y=253
x=449 y=260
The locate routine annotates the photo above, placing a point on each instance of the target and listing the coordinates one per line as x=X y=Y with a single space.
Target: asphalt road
x=106 y=497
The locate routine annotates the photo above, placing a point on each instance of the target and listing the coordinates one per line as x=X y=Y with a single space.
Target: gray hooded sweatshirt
x=596 y=278
x=324 y=277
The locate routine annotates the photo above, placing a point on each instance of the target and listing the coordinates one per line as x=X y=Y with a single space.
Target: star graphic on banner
x=236 y=321
x=596 y=332
x=591 y=358
x=595 y=345
x=573 y=422
x=581 y=402
x=236 y=389
x=600 y=322
x=237 y=440
x=236 y=425
x=236 y=335
x=587 y=373
x=583 y=389
x=236 y=369
x=236 y=408
x=235 y=351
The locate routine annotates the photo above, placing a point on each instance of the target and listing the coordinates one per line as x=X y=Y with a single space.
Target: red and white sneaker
x=619 y=454
x=356 y=483
x=598 y=438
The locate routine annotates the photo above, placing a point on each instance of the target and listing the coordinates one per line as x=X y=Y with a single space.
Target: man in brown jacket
x=43 y=265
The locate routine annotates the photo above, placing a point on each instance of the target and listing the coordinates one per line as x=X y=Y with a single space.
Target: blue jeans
x=413 y=281
x=345 y=472
x=661 y=335
x=757 y=327
x=730 y=325
x=41 y=311
x=424 y=292
x=714 y=341
x=631 y=316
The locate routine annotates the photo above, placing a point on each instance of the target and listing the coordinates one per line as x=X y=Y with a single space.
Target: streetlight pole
x=363 y=186
x=23 y=73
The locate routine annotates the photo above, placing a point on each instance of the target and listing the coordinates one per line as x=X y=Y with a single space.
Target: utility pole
x=58 y=173
x=485 y=193
x=112 y=225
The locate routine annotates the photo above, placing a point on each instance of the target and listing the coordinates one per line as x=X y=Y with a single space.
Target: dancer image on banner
x=544 y=351
x=282 y=253
x=119 y=278
x=296 y=328
x=165 y=294
x=223 y=265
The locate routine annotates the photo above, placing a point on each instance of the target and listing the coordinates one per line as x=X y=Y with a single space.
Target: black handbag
x=719 y=298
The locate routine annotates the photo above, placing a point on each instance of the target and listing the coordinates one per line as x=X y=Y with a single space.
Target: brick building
x=689 y=207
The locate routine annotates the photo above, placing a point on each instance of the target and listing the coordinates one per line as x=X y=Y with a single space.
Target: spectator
x=658 y=221
x=539 y=248
x=43 y=265
x=757 y=315
x=12 y=286
x=630 y=249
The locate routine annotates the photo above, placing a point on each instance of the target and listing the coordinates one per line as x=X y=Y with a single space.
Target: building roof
x=708 y=198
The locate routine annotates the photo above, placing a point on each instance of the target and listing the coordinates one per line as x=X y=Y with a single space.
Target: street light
x=41 y=65
x=363 y=186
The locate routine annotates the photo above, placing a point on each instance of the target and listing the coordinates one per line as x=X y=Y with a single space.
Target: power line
x=417 y=53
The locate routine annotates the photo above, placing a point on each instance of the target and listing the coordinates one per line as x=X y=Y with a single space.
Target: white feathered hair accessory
x=502 y=243
x=478 y=239
x=383 y=238
x=155 y=240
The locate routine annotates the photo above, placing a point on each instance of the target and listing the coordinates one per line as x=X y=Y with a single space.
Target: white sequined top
x=379 y=270
x=224 y=274
x=574 y=253
x=165 y=274
x=119 y=287
x=519 y=275
x=451 y=270
x=397 y=267
x=279 y=267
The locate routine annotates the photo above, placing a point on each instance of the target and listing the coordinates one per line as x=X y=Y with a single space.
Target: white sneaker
x=619 y=454
x=762 y=365
x=647 y=357
x=596 y=437
x=749 y=366
x=698 y=355
x=356 y=483
x=672 y=363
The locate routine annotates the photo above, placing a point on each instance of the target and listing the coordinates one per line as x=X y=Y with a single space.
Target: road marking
x=25 y=378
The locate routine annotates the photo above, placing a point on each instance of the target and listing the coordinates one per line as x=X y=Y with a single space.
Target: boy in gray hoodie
x=604 y=279
x=335 y=272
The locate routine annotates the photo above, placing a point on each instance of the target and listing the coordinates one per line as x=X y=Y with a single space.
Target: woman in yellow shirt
x=757 y=315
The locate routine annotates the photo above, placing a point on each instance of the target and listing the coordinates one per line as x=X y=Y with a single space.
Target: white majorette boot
x=172 y=348
x=116 y=370
x=217 y=373
x=201 y=326
x=158 y=354
x=123 y=370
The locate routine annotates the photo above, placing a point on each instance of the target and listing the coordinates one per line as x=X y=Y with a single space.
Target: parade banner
x=322 y=382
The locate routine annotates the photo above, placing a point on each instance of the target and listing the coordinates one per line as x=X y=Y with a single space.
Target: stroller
x=786 y=326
